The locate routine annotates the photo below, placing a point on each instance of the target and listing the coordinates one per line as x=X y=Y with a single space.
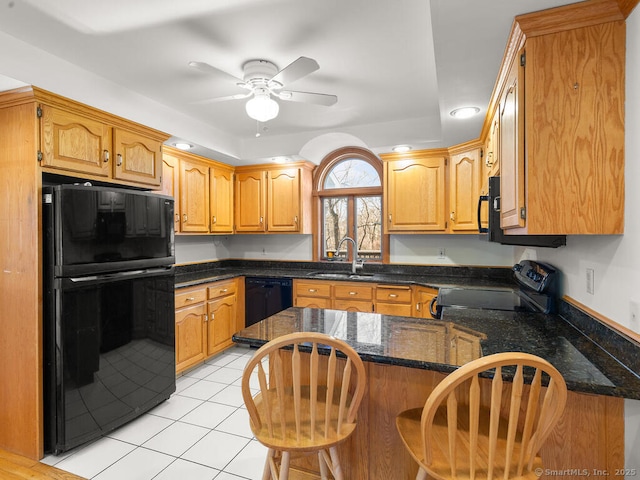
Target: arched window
x=348 y=188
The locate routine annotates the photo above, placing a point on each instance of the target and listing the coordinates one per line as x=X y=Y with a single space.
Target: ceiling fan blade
x=305 y=97
x=297 y=69
x=211 y=70
x=237 y=96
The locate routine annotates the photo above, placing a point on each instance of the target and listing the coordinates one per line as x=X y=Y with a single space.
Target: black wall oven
x=109 y=324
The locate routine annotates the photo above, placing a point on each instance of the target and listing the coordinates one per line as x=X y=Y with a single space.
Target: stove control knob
x=517 y=267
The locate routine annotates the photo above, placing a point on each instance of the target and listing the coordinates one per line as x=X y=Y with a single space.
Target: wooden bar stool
x=307 y=403
x=455 y=436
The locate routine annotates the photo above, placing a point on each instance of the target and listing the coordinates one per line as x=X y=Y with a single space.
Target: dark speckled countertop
x=592 y=357
x=401 y=341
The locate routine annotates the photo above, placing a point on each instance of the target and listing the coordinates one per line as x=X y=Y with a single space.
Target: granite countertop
x=409 y=342
x=435 y=277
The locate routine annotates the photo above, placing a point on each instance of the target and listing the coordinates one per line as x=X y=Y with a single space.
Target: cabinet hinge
x=523 y=59
x=446 y=162
x=39 y=112
x=481 y=153
x=523 y=213
x=39 y=156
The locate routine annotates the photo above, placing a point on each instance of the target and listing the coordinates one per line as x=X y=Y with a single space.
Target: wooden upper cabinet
x=194 y=197
x=136 y=158
x=87 y=143
x=221 y=198
x=562 y=130
x=273 y=198
x=250 y=201
x=283 y=193
x=414 y=194
x=75 y=143
x=512 y=181
x=171 y=184
x=464 y=190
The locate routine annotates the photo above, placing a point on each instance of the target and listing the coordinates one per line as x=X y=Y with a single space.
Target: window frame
x=319 y=176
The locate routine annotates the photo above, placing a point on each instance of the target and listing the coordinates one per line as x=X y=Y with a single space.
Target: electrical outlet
x=590 y=281
x=264 y=251
x=634 y=314
x=441 y=252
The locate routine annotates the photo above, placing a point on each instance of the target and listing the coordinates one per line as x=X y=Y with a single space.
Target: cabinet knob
x=389 y=218
x=224 y=290
x=418 y=307
x=177 y=217
x=213 y=316
x=261 y=219
x=105 y=156
x=184 y=217
x=393 y=295
x=190 y=299
x=353 y=293
x=206 y=317
x=313 y=290
x=295 y=219
x=452 y=216
x=213 y=219
x=119 y=161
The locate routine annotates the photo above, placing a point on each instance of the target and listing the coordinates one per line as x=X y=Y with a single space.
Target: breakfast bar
x=406 y=357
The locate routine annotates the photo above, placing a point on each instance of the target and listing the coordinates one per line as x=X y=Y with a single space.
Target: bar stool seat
x=455 y=436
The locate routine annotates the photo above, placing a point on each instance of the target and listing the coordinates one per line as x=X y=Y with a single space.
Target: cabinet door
x=190 y=336
x=136 y=158
x=422 y=297
x=221 y=194
x=415 y=195
x=512 y=151
x=75 y=143
x=171 y=184
x=283 y=194
x=194 y=197
x=312 y=302
x=464 y=190
x=250 y=202
x=221 y=323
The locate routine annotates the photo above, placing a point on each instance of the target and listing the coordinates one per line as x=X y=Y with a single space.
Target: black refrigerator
x=109 y=321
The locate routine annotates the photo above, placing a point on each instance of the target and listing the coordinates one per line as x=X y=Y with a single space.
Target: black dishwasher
x=265 y=297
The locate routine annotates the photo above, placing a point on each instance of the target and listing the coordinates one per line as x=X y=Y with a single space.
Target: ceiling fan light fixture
x=464 y=112
x=262 y=107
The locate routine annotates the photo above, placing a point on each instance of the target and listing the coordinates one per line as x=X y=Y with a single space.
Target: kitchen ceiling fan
x=263 y=80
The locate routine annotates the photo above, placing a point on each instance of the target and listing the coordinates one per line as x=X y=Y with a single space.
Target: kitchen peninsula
x=406 y=357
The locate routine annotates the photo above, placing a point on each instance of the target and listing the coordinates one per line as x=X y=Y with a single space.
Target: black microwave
x=494 y=233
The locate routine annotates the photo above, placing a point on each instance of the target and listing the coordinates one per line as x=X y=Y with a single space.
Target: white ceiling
x=398 y=67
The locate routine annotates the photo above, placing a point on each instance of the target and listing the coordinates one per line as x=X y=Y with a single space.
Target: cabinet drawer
x=354 y=291
x=221 y=289
x=313 y=289
x=389 y=293
x=186 y=297
x=389 y=308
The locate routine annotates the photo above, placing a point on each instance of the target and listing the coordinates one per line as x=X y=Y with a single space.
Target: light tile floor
x=200 y=433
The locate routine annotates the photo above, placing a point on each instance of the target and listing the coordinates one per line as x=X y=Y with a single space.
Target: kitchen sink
x=339 y=275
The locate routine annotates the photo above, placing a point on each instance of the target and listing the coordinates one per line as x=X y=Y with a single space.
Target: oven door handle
x=483 y=198
x=434 y=312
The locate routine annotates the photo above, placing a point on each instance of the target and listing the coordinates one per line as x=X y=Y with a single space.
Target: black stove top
x=535 y=292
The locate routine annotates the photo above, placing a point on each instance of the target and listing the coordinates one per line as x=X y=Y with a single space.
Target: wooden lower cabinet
x=358 y=296
x=207 y=316
x=422 y=297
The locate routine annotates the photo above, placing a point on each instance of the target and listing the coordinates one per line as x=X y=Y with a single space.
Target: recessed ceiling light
x=401 y=148
x=183 y=146
x=465 y=112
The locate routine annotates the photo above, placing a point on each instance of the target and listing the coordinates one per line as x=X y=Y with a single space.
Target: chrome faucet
x=355 y=265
